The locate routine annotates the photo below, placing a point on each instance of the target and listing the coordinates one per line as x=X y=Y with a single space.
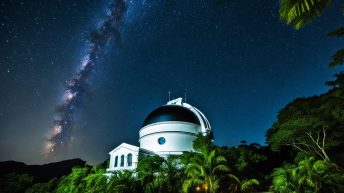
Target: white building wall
x=123 y=150
x=178 y=137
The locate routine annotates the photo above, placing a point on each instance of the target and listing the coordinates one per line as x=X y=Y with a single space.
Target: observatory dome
x=171 y=129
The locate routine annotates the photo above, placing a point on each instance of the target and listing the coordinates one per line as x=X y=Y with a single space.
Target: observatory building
x=167 y=130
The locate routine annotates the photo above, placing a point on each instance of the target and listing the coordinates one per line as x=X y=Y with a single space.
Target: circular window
x=161 y=140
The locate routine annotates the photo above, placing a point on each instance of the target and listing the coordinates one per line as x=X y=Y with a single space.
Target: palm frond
x=188 y=183
x=248 y=184
x=337 y=33
x=300 y=12
x=220 y=168
x=220 y=159
x=235 y=178
x=337 y=58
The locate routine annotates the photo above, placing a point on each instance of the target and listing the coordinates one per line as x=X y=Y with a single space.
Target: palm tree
x=122 y=182
x=163 y=176
x=308 y=175
x=203 y=171
x=95 y=181
x=151 y=173
x=156 y=185
x=172 y=173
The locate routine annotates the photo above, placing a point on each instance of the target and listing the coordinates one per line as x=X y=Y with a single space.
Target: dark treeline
x=41 y=173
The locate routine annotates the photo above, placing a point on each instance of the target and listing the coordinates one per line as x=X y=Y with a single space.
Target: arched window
x=116 y=161
x=122 y=160
x=129 y=159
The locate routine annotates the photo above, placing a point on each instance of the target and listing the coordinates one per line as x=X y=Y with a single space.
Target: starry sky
x=237 y=62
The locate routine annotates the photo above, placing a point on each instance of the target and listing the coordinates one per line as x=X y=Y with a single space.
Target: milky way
x=76 y=87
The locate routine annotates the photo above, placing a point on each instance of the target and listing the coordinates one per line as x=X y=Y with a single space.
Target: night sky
x=237 y=62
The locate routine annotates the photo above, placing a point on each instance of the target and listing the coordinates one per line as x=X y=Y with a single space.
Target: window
x=161 y=140
x=129 y=159
x=122 y=160
x=116 y=161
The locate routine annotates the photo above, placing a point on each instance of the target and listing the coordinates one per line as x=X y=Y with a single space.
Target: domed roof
x=171 y=113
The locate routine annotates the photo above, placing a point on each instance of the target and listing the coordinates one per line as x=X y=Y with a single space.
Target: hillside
x=41 y=173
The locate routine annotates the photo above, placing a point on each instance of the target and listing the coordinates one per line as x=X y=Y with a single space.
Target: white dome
x=170 y=129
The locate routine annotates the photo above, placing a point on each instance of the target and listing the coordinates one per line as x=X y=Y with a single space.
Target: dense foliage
x=308 y=175
x=245 y=168
x=314 y=125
